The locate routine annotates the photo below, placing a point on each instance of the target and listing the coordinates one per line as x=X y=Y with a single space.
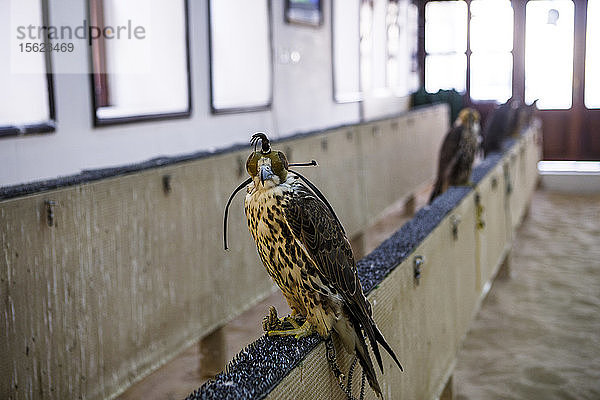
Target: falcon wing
x=449 y=152
x=449 y=155
x=318 y=230
x=321 y=235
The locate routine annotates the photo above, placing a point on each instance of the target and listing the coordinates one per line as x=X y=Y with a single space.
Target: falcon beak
x=265 y=173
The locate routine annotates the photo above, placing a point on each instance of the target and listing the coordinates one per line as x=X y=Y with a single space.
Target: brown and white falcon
x=304 y=249
x=458 y=152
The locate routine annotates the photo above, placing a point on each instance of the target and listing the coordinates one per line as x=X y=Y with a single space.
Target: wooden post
x=504 y=270
x=448 y=392
x=212 y=353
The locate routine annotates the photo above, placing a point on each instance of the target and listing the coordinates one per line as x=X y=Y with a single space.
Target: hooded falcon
x=304 y=249
x=458 y=152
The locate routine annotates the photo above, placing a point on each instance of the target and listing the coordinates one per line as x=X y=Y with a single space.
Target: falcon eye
x=252 y=164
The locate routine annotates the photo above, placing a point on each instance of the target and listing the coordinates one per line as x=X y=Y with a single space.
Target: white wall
x=302 y=101
x=303 y=96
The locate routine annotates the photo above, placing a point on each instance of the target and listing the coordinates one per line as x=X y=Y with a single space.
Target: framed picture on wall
x=305 y=12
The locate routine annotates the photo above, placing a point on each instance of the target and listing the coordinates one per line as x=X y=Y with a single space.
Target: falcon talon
x=292 y=321
x=304 y=248
x=305 y=330
x=272 y=322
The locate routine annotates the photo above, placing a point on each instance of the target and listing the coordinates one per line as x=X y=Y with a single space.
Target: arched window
x=491 y=40
x=446 y=45
x=549 y=53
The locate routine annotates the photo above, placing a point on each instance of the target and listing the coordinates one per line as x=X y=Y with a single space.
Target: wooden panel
x=493 y=237
x=515 y=165
x=462 y=259
x=591 y=135
x=424 y=323
x=571 y=134
x=380 y=145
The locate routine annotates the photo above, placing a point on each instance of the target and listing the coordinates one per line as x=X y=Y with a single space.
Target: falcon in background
x=304 y=248
x=499 y=125
x=458 y=152
x=507 y=120
x=525 y=115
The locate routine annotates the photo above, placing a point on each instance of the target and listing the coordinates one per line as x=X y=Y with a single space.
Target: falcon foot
x=272 y=322
x=303 y=331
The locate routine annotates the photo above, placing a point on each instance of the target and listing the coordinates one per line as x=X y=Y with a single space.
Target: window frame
x=101 y=122
x=48 y=126
x=515 y=52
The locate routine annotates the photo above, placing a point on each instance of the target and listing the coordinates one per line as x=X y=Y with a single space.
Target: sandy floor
x=537 y=335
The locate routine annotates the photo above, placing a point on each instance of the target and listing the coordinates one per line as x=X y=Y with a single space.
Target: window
x=592 y=56
x=240 y=49
x=378 y=35
x=388 y=47
x=549 y=34
x=445 y=45
x=491 y=42
x=344 y=31
x=490 y=34
x=26 y=104
x=140 y=72
x=402 y=66
x=366 y=45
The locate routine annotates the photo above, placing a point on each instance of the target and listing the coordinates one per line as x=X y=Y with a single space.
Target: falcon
x=499 y=125
x=304 y=248
x=507 y=120
x=525 y=115
x=457 y=153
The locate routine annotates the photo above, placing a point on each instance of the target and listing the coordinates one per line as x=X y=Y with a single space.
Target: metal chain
x=332 y=360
